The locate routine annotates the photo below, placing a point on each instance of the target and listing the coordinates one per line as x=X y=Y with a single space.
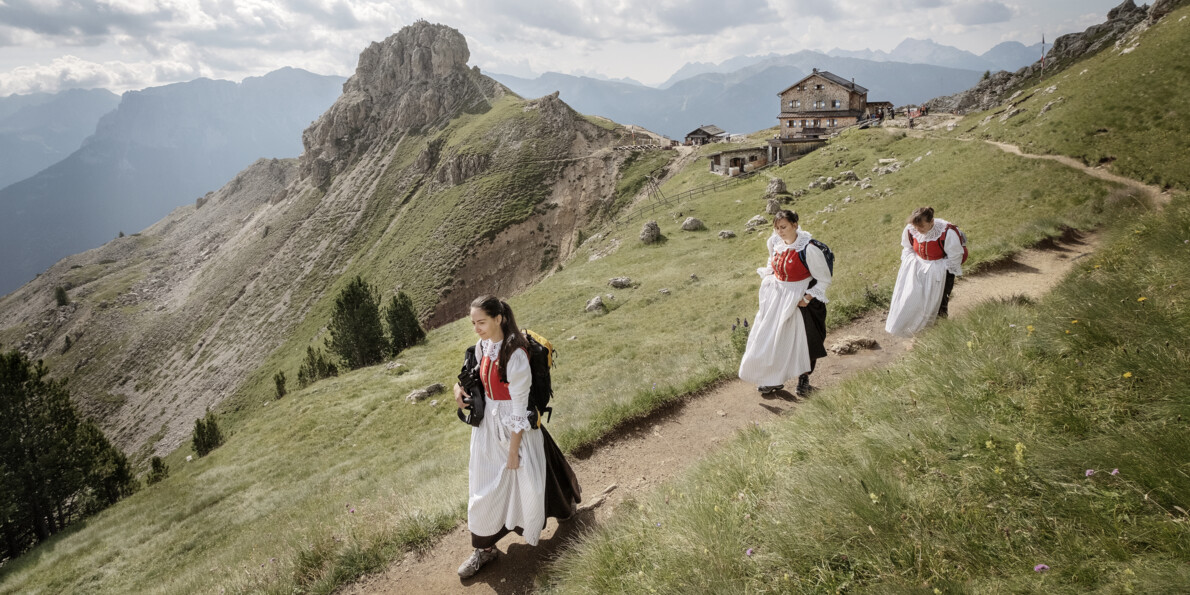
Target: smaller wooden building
x=707 y=133
x=734 y=162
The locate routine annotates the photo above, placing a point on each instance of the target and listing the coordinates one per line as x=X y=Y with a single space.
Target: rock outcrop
x=415 y=79
x=1067 y=49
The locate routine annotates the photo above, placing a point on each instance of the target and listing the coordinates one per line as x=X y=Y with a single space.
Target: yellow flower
x=1096 y=266
x=1141 y=299
x=970 y=345
x=937 y=591
x=1127 y=374
x=874 y=497
x=1020 y=454
x=989 y=445
x=1067 y=332
x=1029 y=328
x=997 y=470
x=1073 y=322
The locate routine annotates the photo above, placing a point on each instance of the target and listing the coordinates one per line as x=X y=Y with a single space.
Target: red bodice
x=788 y=266
x=931 y=250
x=489 y=371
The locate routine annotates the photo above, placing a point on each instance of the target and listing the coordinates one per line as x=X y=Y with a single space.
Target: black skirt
x=814 y=317
x=562 y=492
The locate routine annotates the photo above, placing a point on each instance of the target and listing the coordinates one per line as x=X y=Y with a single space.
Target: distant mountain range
x=40 y=129
x=161 y=148
x=1010 y=55
x=743 y=100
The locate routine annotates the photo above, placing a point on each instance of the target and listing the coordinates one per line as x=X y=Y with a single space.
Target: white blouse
x=953 y=246
x=815 y=261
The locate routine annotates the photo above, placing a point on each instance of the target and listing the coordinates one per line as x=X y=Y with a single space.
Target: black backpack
x=826 y=253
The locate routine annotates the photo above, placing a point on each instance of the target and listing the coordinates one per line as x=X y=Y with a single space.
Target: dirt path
x=644 y=454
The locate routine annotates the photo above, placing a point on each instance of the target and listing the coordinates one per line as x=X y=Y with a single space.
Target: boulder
x=755 y=222
x=852 y=344
x=620 y=282
x=776 y=186
x=650 y=232
x=726 y=234
x=595 y=304
x=772 y=206
x=422 y=394
x=692 y=224
x=848 y=176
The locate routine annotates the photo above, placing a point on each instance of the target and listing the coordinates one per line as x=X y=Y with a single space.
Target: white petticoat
x=917 y=295
x=777 y=348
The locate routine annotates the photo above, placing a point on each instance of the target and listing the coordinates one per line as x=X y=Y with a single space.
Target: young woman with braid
x=931 y=258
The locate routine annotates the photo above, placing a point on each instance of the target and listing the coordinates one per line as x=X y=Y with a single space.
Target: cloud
x=83 y=22
x=981 y=13
x=72 y=72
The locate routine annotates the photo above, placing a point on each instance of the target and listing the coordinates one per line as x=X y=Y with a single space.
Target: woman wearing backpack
x=931 y=258
x=515 y=468
x=789 y=330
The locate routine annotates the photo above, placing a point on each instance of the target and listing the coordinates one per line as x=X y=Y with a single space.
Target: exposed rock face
x=1067 y=49
x=416 y=78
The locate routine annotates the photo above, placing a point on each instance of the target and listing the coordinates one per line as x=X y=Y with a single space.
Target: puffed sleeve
x=767 y=270
x=906 y=247
x=516 y=419
x=954 y=253
x=821 y=272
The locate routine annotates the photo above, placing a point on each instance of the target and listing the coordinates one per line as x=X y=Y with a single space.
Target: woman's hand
x=459 y=396
x=805 y=301
x=514 y=460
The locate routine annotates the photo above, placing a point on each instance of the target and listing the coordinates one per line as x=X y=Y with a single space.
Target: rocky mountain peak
x=415 y=78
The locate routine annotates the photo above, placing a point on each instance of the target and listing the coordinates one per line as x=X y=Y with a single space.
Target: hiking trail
x=642 y=454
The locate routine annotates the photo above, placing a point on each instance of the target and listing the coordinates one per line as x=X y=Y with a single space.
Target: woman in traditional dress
x=517 y=476
x=788 y=332
x=931 y=258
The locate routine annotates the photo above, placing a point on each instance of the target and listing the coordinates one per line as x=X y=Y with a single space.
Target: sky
x=120 y=45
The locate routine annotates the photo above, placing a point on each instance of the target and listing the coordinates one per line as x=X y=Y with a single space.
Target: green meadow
x=903 y=480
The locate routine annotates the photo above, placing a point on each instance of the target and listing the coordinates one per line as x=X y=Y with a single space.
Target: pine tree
x=279 y=380
x=60 y=296
x=207 y=436
x=158 y=471
x=404 y=328
x=357 y=335
x=55 y=467
x=316 y=367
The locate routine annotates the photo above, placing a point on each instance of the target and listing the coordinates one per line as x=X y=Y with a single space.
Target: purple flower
x=1090 y=472
x=352 y=511
x=748 y=552
x=1115 y=471
x=1040 y=568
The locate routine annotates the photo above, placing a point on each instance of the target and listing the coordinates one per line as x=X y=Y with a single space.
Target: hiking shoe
x=803 y=385
x=767 y=390
x=478 y=558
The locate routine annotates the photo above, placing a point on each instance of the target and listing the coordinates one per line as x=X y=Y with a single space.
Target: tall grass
x=1016 y=437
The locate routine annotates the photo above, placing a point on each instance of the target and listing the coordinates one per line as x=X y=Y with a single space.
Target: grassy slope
x=961 y=468
x=1129 y=110
x=280 y=487
x=964 y=467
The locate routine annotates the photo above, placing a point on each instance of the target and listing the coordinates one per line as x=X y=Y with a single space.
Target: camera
x=469 y=380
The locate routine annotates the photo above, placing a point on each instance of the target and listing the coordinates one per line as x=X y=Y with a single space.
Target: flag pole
x=1042 y=56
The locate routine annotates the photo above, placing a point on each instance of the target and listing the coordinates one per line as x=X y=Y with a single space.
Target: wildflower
x=874 y=497
x=1040 y=568
x=1127 y=374
x=1029 y=328
x=970 y=345
x=1090 y=472
x=658 y=524
x=1115 y=471
x=937 y=591
x=1096 y=266
x=1067 y=332
x=352 y=511
x=1020 y=454
x=1012 y=326
x=1141 y=298
x=1073 y=322
x=990 y=445
x=748 y=552
x=998 y=470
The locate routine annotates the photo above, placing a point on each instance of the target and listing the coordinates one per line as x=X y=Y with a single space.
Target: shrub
x=207 y=436
x=316 y=367
x=357 y=335
x=60 y=296
x=279 y=379
x=404 y=328
x=739 y=336
x=158 y=471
